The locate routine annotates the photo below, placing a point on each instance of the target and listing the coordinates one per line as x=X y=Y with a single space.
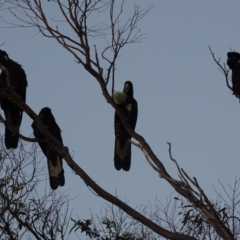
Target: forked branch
x=222 y=68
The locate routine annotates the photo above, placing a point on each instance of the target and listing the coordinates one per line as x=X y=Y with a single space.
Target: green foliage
x=86 y=227
x=108 y=231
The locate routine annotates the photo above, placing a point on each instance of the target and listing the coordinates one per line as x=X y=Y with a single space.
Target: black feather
x=54 y=159
x=233 y=62
x=122 y=149
x=13 y=114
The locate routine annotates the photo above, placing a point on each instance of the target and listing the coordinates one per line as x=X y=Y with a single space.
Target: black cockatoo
x=13 y=114
x=233 y=62
x=54 y=159
x=122 y=151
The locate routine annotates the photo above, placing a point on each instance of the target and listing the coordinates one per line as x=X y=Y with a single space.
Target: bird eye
x=127 y=87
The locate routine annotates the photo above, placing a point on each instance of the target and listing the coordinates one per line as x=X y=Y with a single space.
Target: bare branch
x=223 y=68
x=76 y=15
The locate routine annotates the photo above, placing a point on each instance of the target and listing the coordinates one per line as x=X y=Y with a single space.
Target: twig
x=223 y=68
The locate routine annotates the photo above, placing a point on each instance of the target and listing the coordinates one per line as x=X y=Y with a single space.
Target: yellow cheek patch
x=6 y=57
x=238 y=61
x=129 y=107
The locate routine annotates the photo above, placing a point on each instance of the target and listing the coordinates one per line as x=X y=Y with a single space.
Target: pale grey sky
x=182 y=99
